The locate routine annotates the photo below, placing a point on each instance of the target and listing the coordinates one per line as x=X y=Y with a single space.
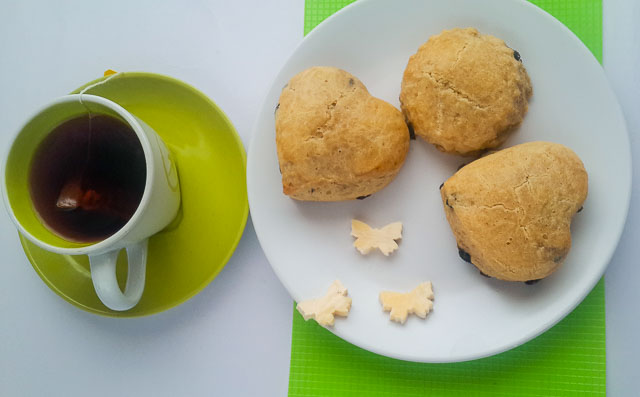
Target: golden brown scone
x=335 y=141
x=464 y=91
x=511 y=211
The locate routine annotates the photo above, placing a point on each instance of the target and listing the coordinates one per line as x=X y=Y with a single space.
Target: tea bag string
x=90 y=86
x=82 y=92
x=73 y=194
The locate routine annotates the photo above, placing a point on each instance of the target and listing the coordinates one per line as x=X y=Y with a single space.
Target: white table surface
x=210 y=345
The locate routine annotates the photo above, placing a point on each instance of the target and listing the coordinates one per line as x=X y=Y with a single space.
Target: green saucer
x=211 y=161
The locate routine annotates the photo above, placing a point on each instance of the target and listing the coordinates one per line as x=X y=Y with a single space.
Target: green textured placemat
x=569 y=359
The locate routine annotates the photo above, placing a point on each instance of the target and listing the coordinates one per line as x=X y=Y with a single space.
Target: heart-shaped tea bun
x=335 y=141
x=511 y=211
x=465 y=92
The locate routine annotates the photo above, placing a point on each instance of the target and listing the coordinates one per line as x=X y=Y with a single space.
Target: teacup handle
x=103 y=274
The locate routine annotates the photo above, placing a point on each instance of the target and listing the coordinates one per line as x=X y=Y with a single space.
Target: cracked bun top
x=464 y=91
x=335 y=141
x=511 y=211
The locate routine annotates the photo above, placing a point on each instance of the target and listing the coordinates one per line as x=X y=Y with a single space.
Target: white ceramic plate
x=308 y=244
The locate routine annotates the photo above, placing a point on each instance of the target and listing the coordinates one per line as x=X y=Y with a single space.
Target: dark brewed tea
x=87 y=177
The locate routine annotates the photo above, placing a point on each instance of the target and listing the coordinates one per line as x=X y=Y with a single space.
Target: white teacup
x=157 y=208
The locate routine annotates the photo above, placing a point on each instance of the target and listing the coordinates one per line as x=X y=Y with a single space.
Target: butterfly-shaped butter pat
x=419 y=302
x=368 y=238
x=334 y=303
